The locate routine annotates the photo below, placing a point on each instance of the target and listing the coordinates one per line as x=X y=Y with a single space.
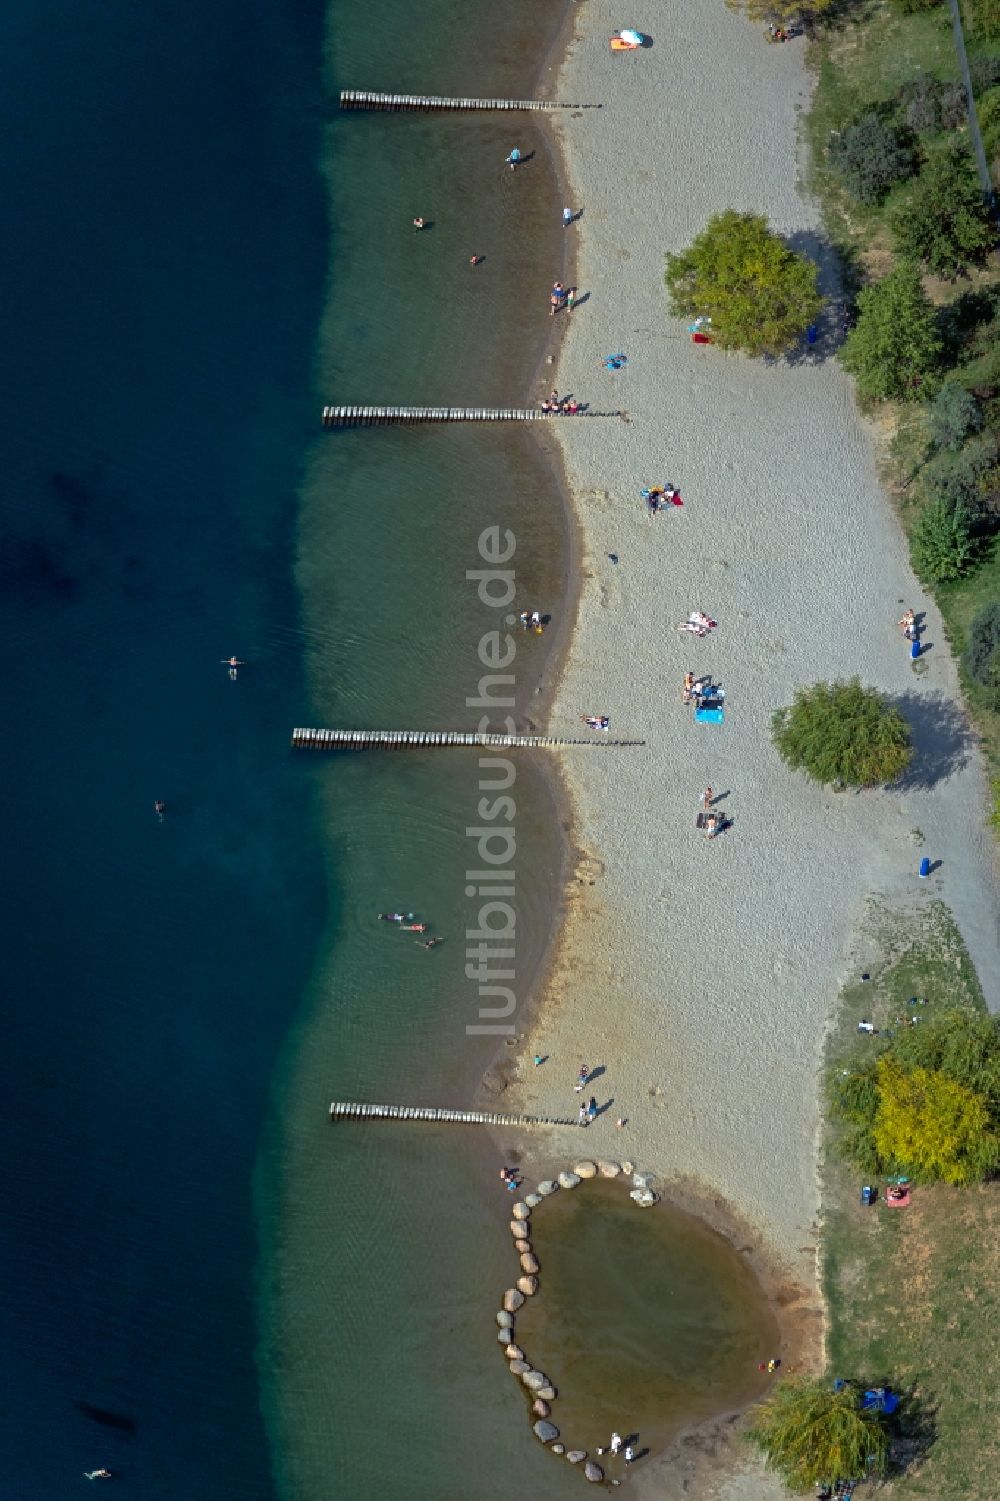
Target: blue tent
x=881 y=1398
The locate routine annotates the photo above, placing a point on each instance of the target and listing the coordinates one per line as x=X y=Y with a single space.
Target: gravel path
x=700 y=974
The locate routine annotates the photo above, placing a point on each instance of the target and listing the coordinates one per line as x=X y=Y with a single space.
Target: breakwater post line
x=350 y=1110
x=318 y=739
x=355 y=416
x=366 y=99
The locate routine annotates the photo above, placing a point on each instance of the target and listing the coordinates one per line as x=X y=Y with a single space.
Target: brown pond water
x=647 y=1321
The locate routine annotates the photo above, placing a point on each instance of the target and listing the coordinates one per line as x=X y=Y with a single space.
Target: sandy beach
x=701 y=974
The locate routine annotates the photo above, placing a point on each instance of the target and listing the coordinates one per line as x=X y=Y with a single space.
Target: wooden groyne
x=366 y=99
x=315 y=739
x=350 y=1110
x=351 y=416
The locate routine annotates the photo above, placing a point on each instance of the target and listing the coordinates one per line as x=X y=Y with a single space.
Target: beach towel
x=710 y=714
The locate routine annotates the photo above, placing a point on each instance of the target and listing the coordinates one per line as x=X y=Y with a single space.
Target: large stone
x=576 y=1456
x=514 y=1352
x=534 y=1380
x=520 y=1246
x=547 y=1393
x=568 y=1180
x=532 y=1200
x=521 y=1211
x=609 y=1169
x=505 y=1319
x=513 y=1299
x=545 y=1431
x=540 y=1409
x=503 y=1336
x=642 y=1180
x=586 y=1170
x=593 y=1472
x=518 y=1228
x=528 y=1286
x=529 y=1262
x=627 y=1168
x=519 y=1367
x=558 y=1448
x=644 y=1197
x=548 y=1187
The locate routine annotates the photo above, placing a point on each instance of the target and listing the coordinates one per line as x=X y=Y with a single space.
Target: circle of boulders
x=537 y=1386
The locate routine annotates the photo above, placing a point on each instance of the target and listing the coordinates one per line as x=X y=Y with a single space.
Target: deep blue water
x=163 y=260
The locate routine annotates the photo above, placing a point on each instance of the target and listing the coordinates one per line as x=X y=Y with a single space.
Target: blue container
x=925 y=868
x=914 y=650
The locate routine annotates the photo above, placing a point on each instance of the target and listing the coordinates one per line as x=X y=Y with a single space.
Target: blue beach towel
x=715 y=715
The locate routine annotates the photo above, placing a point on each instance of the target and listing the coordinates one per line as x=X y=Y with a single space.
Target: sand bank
x=700 y=975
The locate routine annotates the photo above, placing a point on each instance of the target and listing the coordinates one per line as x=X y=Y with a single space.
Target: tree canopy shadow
x=942 y=740
x=832 y=322
x=913 y=1431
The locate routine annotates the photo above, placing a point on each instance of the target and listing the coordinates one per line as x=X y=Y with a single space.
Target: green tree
x=894 y=349
x=760 y=295
x=941 y=543
x=813 y=1435
x=871 y=156
x=953 y=415
x=931 y=1125
x=945 y=223
x=981 y=658
x=843 y=733
x=959 y=1042
x=986 y=17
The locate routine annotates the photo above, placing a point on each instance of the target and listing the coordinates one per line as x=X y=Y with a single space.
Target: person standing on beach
x=616 y=1443
x=707 y=798
x=688 y=688
x=571 y=299
x=514 y=159
x=567 y=217
x=581 y=1116
x=557 y=298
x=581 y=1078
x=629 y=1454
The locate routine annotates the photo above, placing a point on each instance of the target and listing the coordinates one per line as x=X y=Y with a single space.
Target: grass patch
x=914 y=1294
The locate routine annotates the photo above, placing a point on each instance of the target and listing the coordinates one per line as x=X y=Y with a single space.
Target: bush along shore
x=911 y=1207
x=541 y=1392
x=893 y=163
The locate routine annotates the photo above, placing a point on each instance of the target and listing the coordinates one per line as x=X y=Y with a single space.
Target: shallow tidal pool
x=646 y=1321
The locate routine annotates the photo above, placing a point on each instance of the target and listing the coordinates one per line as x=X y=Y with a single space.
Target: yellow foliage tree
x=930 y=1124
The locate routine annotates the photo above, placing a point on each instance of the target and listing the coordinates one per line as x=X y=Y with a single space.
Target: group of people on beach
x=698 y=623
x=561 y=297
x=696 y=690
x=617 y=1445
x=531 y=620
x=659 y=497
x=567 y=406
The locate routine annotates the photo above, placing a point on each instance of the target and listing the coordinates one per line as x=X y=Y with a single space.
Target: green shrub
x=962 y=480
x=871 y=156
x=944 y=223
x=941 y=543
x=988 y=114
x=910 y=7
x=894 y=349
x=844 y=734
x=760 y=296
x=981 y=658
x=953 y=106
x=985 y=17
x=952 y=416
x=985 y=73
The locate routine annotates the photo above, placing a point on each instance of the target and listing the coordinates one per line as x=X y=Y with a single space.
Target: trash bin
x=925 y=868
x=868 y=1195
